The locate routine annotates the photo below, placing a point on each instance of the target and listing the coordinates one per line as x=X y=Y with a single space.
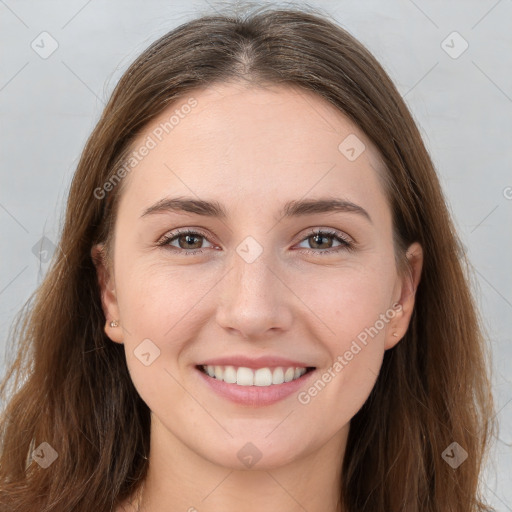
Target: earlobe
x=409 y=283
x=108 y=294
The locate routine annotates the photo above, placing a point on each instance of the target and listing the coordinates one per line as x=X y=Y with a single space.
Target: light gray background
x=463 y=106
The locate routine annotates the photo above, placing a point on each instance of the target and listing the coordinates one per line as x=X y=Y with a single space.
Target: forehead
x=235 y=142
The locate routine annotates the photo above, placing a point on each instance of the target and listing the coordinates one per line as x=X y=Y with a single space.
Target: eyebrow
x=290 y=209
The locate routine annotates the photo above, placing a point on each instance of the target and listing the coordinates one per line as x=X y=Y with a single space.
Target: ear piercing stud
x=395 y=335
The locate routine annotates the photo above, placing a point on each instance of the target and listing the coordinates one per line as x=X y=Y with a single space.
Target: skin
x=252 y=149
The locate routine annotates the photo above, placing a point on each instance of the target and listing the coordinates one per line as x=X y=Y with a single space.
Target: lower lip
x=255 y=395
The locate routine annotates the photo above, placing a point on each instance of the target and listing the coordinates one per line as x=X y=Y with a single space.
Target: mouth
x=261 y=377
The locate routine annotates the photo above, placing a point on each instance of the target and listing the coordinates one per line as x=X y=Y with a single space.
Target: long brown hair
x=69 y=385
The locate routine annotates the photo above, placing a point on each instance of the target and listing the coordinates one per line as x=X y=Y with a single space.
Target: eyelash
x=347 y=245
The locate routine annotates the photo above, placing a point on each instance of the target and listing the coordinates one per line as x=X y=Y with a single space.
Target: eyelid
x=347 y=242
x=170 y=235
x=327 y=231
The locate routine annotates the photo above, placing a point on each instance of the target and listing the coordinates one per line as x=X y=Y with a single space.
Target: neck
x=180 y=479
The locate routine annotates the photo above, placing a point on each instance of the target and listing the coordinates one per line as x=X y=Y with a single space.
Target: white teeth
x=263 y=377
x=230 y=374
x=248 y=377
x=244 y=376
x=288 y=374
x=278 y=376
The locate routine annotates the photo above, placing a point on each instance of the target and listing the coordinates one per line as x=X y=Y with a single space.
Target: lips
x=255 y=362
x=254 y=382
x=251 y=395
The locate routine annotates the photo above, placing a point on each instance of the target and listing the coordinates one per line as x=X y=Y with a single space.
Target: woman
x=259 y=300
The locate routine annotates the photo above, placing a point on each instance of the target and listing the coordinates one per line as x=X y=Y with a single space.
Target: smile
x=263 y=377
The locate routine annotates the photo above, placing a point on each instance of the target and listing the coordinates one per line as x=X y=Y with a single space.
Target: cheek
x=163 y=310
x=348 y=301
x=353 y=313
x=156 y=296
x=353 y=335
x=162 y=318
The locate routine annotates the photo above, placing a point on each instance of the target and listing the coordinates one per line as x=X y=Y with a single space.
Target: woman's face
x=255 y=291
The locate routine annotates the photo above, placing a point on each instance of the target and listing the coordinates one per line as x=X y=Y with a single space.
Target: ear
x=405 y=296
x=108 y=293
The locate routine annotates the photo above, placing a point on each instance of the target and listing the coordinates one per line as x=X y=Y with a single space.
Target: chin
x=258 y=454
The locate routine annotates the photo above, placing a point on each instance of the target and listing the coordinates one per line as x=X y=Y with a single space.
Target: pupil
x=189 y=239
x=317 y=238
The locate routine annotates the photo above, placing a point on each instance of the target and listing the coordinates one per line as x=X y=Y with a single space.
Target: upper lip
x=254 y=363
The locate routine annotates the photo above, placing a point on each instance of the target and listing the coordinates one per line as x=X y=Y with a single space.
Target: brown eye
x=188 y=242
x=321 y=242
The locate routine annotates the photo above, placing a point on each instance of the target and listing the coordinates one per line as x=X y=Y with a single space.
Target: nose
x=254 y=299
